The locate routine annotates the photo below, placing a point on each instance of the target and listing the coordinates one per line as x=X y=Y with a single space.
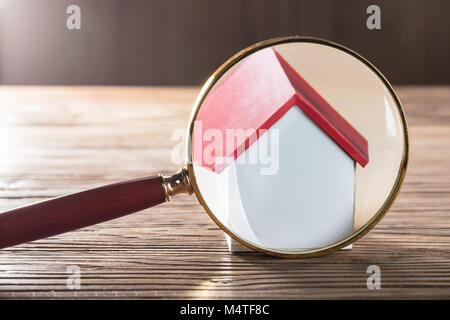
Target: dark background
x=168 y=42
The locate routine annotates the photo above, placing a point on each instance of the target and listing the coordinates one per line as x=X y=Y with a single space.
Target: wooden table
x=57 y=140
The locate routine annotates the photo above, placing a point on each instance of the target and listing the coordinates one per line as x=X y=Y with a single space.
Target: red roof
x=254 y=96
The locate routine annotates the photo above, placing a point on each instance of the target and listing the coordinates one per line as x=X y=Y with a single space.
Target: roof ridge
x=344 y=133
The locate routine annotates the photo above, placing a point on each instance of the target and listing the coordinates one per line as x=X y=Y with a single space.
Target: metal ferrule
x=177 y=183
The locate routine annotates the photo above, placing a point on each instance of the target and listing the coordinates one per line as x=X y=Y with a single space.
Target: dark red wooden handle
x=78 y=210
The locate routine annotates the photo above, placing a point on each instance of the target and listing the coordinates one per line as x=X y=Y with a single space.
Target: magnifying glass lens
x=298 y=147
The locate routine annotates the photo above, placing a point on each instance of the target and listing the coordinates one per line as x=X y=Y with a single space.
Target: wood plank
x=155 y=42
x=57 y=140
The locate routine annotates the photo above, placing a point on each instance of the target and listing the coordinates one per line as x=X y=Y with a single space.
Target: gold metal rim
x=206 y=88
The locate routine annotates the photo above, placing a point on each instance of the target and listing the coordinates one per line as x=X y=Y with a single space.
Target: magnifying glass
x=296 y=147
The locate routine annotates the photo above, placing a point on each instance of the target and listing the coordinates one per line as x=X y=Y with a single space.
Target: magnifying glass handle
x=78 y=210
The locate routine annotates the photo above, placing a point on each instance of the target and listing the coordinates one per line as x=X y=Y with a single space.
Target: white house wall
x=307 y=204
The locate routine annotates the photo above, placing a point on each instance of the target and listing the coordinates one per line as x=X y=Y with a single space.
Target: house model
x=300 y=195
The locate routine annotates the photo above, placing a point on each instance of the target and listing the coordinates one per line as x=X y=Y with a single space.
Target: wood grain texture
x=58 y=140
x=154 y=42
